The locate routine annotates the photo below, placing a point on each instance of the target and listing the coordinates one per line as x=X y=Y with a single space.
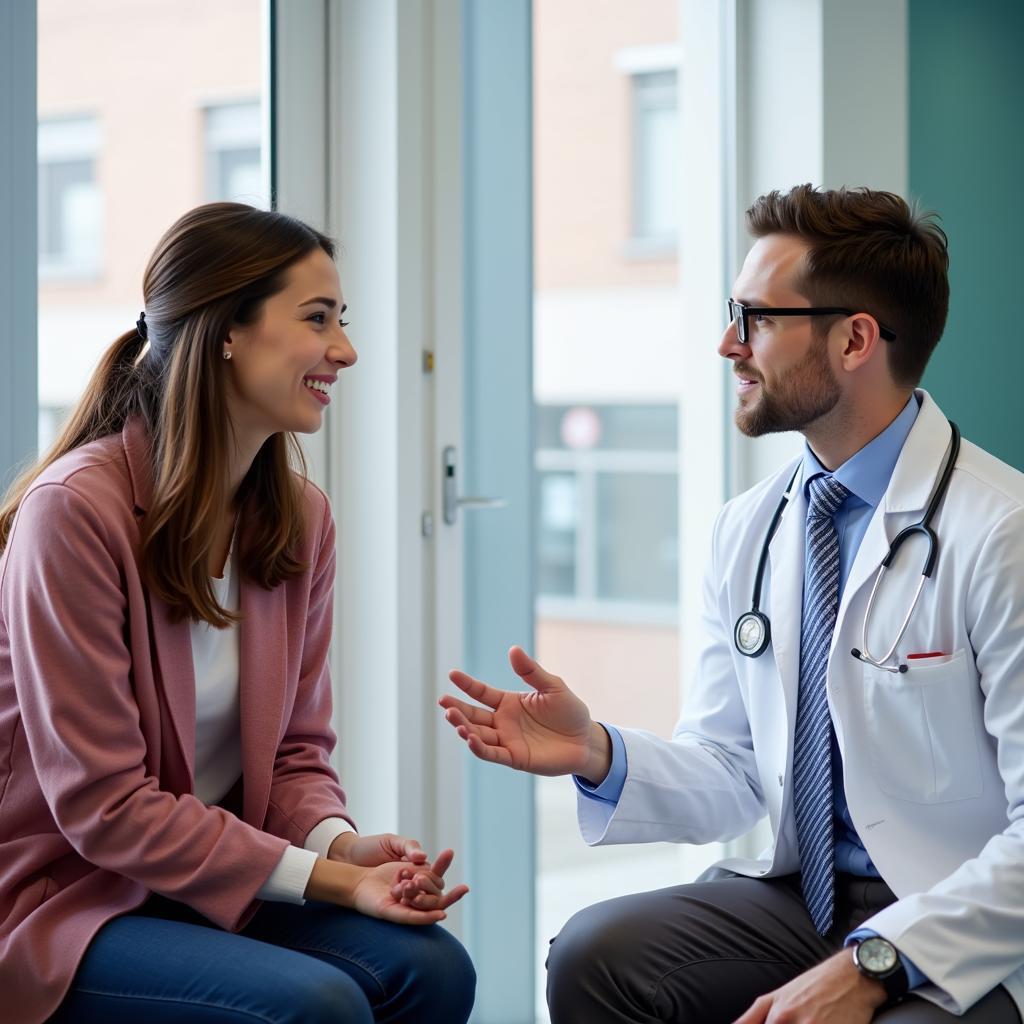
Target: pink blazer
x=97 y=726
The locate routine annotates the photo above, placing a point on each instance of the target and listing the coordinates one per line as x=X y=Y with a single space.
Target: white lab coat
x=933 y=759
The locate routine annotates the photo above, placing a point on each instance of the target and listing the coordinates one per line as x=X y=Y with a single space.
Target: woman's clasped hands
x=385 y=876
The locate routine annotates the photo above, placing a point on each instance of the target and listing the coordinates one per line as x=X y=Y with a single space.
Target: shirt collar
x=866 y=473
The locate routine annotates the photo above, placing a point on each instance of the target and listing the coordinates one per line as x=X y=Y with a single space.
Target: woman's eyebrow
x=322 y=300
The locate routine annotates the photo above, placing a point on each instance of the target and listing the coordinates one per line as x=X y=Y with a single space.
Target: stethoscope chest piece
x=752 y=634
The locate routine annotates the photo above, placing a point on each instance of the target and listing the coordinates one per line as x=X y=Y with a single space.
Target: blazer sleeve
x=967 y=932
x=64 y=602
x=304 y=789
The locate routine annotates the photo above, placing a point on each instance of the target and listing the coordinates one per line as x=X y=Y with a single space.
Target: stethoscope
x=753 y=632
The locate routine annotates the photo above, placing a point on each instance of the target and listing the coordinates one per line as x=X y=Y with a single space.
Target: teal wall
x=967 y=163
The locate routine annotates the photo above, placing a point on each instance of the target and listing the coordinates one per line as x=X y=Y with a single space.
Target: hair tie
x=140 y=326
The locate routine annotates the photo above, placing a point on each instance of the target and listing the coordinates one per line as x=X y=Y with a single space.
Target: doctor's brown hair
x=870 y=252
x=215 y=267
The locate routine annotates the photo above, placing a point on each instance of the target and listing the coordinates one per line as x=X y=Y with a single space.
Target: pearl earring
x=227 y=354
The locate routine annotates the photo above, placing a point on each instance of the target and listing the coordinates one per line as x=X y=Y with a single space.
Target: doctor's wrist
x=599 y=756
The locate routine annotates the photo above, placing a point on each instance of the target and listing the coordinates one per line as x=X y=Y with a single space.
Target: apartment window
x=608 y=511
x=655 y=169
x=233 y=145
x=70 y=204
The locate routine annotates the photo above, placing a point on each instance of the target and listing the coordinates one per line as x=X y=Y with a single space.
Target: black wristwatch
x=878 y=958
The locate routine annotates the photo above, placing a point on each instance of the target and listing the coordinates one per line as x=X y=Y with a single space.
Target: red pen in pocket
x=927 y=654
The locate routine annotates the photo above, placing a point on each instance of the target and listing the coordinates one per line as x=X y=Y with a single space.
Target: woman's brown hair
x=214 y=268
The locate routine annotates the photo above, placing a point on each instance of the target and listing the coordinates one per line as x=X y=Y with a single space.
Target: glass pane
x=608 y=375
x=642 y=507
x=557 y=540
x=233 y=158
x=656 y=173
x=641 y=428
x=126 y=141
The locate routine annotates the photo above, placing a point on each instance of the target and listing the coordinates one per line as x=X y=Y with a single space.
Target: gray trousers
x=702 y=953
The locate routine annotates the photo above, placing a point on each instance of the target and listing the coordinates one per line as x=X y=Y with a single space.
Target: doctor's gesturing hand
x=546 y=732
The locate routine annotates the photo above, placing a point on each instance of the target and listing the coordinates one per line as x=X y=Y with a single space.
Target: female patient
x=167 y=804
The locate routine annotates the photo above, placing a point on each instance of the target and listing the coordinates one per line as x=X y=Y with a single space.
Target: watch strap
x=896 y=982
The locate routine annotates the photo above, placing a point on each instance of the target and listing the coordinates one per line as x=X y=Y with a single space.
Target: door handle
x=450 y=490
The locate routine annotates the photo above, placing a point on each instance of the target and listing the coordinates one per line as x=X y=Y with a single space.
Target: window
x=655 y=163
x=148 y=144
x=70 y=209
x=233 y=135
x=608 y=515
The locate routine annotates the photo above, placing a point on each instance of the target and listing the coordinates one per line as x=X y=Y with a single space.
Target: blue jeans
x=312 y=964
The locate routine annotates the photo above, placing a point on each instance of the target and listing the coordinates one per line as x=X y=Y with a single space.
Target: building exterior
x=146 y=109
x=608 y=352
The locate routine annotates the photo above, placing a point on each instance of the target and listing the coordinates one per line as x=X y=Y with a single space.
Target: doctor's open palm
x=547 y=732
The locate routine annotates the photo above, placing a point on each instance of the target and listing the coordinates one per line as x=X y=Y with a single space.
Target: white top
x=215 y=660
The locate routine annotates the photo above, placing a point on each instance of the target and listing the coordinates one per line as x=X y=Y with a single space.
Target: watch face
x=877 y=955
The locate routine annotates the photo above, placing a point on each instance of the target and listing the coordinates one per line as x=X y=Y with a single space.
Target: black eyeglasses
x=738 y=314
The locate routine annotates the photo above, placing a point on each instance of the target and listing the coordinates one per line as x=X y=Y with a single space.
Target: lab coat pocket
x=922 y=731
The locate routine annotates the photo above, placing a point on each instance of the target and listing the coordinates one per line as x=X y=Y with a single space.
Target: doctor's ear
x=861 y=340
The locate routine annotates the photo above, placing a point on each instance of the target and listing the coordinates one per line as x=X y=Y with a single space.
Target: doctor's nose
x=730 y=347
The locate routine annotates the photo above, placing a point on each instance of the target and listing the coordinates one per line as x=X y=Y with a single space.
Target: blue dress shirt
x=866 y=476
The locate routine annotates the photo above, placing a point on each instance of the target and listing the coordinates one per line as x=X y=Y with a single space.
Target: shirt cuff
x=915 y=976
x=611 y=788
x=287 y=882
x=322 y=835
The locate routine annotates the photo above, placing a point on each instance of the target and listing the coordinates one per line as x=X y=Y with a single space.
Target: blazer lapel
x=173 y=648
x=172 y=641
x=263 y=672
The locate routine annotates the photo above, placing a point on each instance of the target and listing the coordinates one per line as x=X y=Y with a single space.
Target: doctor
x=893 y=888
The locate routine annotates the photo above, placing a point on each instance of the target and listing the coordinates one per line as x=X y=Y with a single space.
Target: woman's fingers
x=402 y=913
x=453 y=896
x=443 y=863
x=426 y=883
x=427 y=901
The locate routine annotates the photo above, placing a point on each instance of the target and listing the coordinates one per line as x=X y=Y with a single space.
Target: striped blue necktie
x=812 y=751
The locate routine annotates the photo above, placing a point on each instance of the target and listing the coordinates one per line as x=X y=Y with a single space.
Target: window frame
x=640 y=63
x=19 y=222
x=218 y=142
x=82 y=144
x=650 y=92
x=586 y=604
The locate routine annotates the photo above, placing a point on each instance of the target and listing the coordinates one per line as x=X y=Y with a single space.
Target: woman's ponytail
x=113 y=393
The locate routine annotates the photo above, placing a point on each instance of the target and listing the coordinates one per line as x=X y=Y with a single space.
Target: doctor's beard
x=807 y=392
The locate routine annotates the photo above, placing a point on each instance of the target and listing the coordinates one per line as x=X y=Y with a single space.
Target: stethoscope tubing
x=925 y=527
x=752 y=633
